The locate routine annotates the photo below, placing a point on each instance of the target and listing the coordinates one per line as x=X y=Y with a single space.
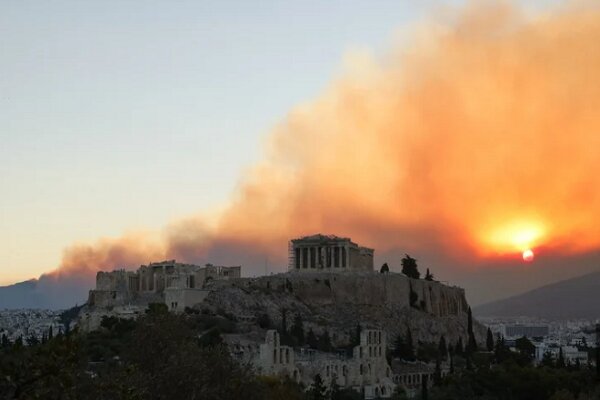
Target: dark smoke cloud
x=471 y=144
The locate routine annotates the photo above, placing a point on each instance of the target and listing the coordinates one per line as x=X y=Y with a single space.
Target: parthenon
x=328 y=253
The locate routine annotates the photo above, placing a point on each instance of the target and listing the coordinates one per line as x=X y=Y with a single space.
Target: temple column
x=347 y=250
x=318 y=257
x=304 y=257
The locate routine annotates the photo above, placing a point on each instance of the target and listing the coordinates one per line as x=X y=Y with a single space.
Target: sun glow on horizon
x=516 y=237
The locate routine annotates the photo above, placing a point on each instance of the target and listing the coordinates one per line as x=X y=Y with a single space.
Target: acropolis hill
x=331 y=283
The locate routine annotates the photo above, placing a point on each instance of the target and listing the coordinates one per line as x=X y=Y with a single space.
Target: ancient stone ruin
x=176 y=284
x=366 y=368
x=328 y=253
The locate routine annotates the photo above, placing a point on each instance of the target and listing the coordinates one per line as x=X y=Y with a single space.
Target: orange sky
x=478 y=140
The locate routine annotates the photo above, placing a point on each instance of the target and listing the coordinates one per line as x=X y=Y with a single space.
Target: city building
x=530 y=331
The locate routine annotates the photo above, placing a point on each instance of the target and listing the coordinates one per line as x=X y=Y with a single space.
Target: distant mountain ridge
x=572 y=298
x=45 y=292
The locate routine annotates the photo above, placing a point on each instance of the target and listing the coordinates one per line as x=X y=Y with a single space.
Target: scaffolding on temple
x=291 y=256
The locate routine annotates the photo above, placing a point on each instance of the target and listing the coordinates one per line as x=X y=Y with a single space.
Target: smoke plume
x=475 y=141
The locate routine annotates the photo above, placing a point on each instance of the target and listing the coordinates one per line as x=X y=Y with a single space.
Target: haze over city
x=462 y=133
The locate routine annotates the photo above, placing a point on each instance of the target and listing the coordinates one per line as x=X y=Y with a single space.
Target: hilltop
x=337 y=302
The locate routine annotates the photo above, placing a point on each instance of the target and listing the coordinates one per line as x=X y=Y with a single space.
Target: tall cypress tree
x=490 y=340
x=443 y=348
x=324 y=342
x=437 y=375
x=5 y=342
x=428 y=275
x=424 y=387
x=471 y=344
x=399 y=346
x=501 y=351
x=459 y=349
x=283 y=321
x=560 y=363
x=297 y=330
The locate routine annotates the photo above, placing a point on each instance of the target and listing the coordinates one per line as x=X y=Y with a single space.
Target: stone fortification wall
x=115 y=298
x=337 y=302
x=115 y=280
x=367 y=288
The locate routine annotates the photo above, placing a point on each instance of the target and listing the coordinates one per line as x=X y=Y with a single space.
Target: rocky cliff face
x=337 y=302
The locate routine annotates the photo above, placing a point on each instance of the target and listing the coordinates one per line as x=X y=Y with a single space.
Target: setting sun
x=528 y=255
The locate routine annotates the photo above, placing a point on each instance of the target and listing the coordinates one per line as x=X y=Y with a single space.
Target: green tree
x=275 y=388
x=384 y=268
x=32 y=340
x=162 y=360
x=424 y=387
x=399 y=346
x=399 y=393
x=297 y=330
x=471 y=344
x=547 y=359
x=437 y=374
x=501 y=351
x=311 y=339
x=428 y=275
x=324 y=341
x=489 y=342
x=443 y=348
x=285 y=336
x=403 y=347
x=5 y=343
x=283 y=321
x=526 y=349
x=210 y=338
x=459 y=349
x=264 y=321
x=157 y=309
x=562 y=394
x=560 y=362
x=317 y=391
x=347 y=394
x=338 y=393
x=409 y=267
